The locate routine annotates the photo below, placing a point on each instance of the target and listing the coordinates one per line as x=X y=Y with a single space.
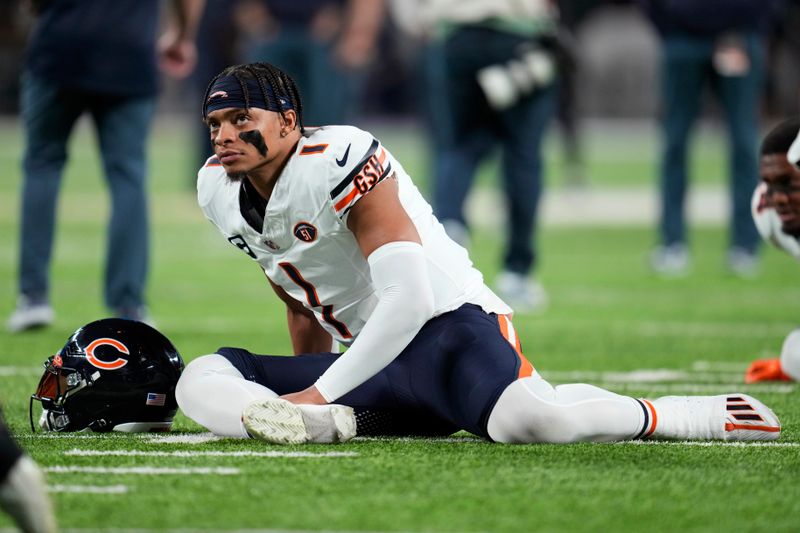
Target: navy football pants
x=448 y=378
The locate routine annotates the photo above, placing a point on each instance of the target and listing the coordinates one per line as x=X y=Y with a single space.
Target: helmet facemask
x=57 y=384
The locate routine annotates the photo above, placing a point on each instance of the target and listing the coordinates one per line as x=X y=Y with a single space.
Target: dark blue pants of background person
x=687 y=66
x=449 y=377
x=48 y=115
x=476 y=128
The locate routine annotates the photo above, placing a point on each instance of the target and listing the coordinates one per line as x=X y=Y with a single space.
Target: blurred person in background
x=326 y=45
x=571 y=14
x=23 y=494
x=218 y=48
x=492 y=79
x=101 y=58
x=720 y=42
x=776 y=213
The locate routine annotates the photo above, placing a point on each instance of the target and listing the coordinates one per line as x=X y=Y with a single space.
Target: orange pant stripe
x=510 y=334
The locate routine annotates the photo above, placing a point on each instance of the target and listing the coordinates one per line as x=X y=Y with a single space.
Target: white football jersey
x=305 y=246
x=769 y=223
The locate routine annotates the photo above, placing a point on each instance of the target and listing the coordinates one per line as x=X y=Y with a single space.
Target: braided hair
x=274 y=84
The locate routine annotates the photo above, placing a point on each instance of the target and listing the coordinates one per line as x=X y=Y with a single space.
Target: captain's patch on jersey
x=372 y=169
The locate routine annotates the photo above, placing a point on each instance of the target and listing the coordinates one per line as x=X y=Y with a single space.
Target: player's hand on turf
x=309 y=396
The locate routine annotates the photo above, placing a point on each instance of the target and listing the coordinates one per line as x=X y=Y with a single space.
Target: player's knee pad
x=189 y=382
x=526 y=412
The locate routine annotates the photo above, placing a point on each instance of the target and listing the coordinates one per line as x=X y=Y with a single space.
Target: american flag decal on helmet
x=154 y=398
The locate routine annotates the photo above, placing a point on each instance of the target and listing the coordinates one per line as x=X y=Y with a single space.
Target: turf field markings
x=724 y=366
x=711 y=444
x=209 y=453
x=184 y=438
x=89 y=489
x=707 y=329
x=706 y=388
x=20 y=370
x=465 y=438
x=643 y=375
x=141 y=470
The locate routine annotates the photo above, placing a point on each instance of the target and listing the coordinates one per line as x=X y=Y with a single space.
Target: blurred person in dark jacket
x=327 y=46
x=101 y=58
x=720 y=42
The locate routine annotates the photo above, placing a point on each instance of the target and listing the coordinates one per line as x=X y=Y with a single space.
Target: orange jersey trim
x=313 y=149
x=346 y=200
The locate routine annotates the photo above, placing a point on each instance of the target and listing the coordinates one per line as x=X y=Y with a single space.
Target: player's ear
x=288 y=121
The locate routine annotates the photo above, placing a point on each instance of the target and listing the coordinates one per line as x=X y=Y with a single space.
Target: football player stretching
x=776 y=212
x=349 y=244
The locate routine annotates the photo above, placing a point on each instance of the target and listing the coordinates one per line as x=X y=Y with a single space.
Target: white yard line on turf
x=141 y=470
x=712 y=444
x=88 y=489
x=697 y=388
x=183 y=438
x=719 y=366
x=20 y=370
x=644 y=375
x=211 y=453
x=463 y=439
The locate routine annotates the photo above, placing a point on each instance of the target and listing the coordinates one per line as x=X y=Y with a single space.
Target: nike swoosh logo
x=341 y=162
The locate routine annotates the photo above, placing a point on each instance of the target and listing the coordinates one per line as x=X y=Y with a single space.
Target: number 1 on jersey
x=313 y=299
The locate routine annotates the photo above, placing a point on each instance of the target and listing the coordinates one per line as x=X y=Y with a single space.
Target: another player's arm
x=305 y=331
x=390 y=242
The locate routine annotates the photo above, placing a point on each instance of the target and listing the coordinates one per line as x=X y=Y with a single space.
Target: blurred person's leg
x=48 y=116
x=740 y=97
x=22 y=488
x=685 y=65
x=524 y=127
x=467 y=131
x=123 y=127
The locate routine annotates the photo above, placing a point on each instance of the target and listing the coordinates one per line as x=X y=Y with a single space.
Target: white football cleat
x=282 y=422
x=29 y=315
x=748 y=419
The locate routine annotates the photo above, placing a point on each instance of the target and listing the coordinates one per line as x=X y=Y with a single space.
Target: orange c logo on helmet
x=116 y=364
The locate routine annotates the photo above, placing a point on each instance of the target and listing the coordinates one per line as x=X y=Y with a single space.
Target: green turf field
x=610 y=323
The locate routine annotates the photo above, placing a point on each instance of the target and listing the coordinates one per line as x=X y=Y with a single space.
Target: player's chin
x=236 y=171
x=792 y=227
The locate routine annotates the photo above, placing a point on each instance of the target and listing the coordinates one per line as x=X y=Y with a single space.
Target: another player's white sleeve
x=405 y=303
x=769 y=224
x=790 y=355
x=793 y=155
